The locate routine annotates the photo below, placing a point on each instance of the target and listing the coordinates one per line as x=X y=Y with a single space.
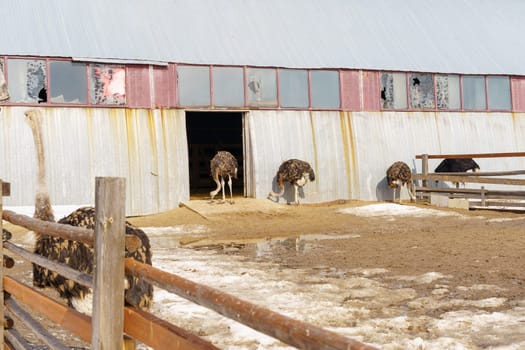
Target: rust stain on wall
x=130 y=135
x=314 y=144
x=153 y=142
x=349 y=152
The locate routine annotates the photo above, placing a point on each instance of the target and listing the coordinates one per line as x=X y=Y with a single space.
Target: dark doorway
x=209 y=132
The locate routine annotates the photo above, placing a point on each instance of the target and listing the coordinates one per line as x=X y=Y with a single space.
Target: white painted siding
x=148 y=148
x=349 y=152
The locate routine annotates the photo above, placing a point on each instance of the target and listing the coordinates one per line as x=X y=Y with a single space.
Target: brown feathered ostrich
x=75 y=254
x=397 y=175
x=297 y=172
x=223 y=165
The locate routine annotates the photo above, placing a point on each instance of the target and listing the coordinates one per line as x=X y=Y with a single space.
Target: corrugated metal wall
x=350 y=152
x=320 y=138
x=147 y=147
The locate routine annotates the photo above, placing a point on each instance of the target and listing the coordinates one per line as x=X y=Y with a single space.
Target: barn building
x=150 y=90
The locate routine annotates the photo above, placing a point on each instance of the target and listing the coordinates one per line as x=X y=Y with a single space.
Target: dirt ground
x=475 y=247
x=469 y=247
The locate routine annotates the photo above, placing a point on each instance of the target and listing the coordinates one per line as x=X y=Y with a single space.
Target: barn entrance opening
x=207 y=133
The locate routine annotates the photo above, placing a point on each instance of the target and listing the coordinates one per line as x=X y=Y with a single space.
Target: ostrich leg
x=296 y=197
x=213 y=193
x=222 y=187
x=394 y=195
x=231 y=190
x=411 y=192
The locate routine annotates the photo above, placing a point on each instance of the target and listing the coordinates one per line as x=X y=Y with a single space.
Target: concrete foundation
x=440 y=200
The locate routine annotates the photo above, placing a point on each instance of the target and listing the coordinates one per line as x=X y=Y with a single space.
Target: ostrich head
x=310 y=174
x=393 y=182
x=33 y=118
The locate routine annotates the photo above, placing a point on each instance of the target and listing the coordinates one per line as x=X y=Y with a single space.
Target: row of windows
x=43 y=81
x=445 y=92
x=64 y=82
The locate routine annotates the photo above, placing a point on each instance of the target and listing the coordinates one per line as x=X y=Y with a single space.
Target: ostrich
x=457 y=165
x=222 y=165
x=75 y=254
x=297 y=173
x=397 y=175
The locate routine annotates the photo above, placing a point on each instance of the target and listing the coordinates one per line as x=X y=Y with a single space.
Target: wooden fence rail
x=471 y=155
x=293 y=332
x=69 y=232
x=480 y=177
x=105 y=329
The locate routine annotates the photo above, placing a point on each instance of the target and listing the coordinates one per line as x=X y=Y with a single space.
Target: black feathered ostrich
x=223 y=165
x=457 y=165
x=297 y=172
x=75 y=254
x=397 y=175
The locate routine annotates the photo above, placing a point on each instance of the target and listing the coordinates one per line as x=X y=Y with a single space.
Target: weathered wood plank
x=62 y=269
x=15 y=341
x=37 y=329
x=487 y=192
x=70 y=319
x=50 y=228
x=472 y=155
x=160 y=334
x=478 y=173
x=469 y=178
x=73 y=233
x=108 y=293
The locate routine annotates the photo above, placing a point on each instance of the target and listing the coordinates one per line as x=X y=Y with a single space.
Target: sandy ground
x=426 y=266
x=472 y=247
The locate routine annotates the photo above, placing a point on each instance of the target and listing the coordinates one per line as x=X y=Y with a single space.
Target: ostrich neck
x=43 y=209
x=40 y=159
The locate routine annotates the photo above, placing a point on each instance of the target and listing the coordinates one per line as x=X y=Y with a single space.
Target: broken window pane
x=194 y=85
x=228 y=87
x=447 y=91
x=325 y=89
x=68 y=83
x=473 y=89
x=393 y=91
x=421 y=91
x=108 y=84
x=4 y=93
x=262 y=87
x=293 y=88
x=499 y=92
x=27 y=81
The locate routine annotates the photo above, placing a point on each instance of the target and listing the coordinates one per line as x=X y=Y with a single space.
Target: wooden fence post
x=108 y=293
x=483 y=196
x=2 y=314
x=424 y=169
x=5 y=190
